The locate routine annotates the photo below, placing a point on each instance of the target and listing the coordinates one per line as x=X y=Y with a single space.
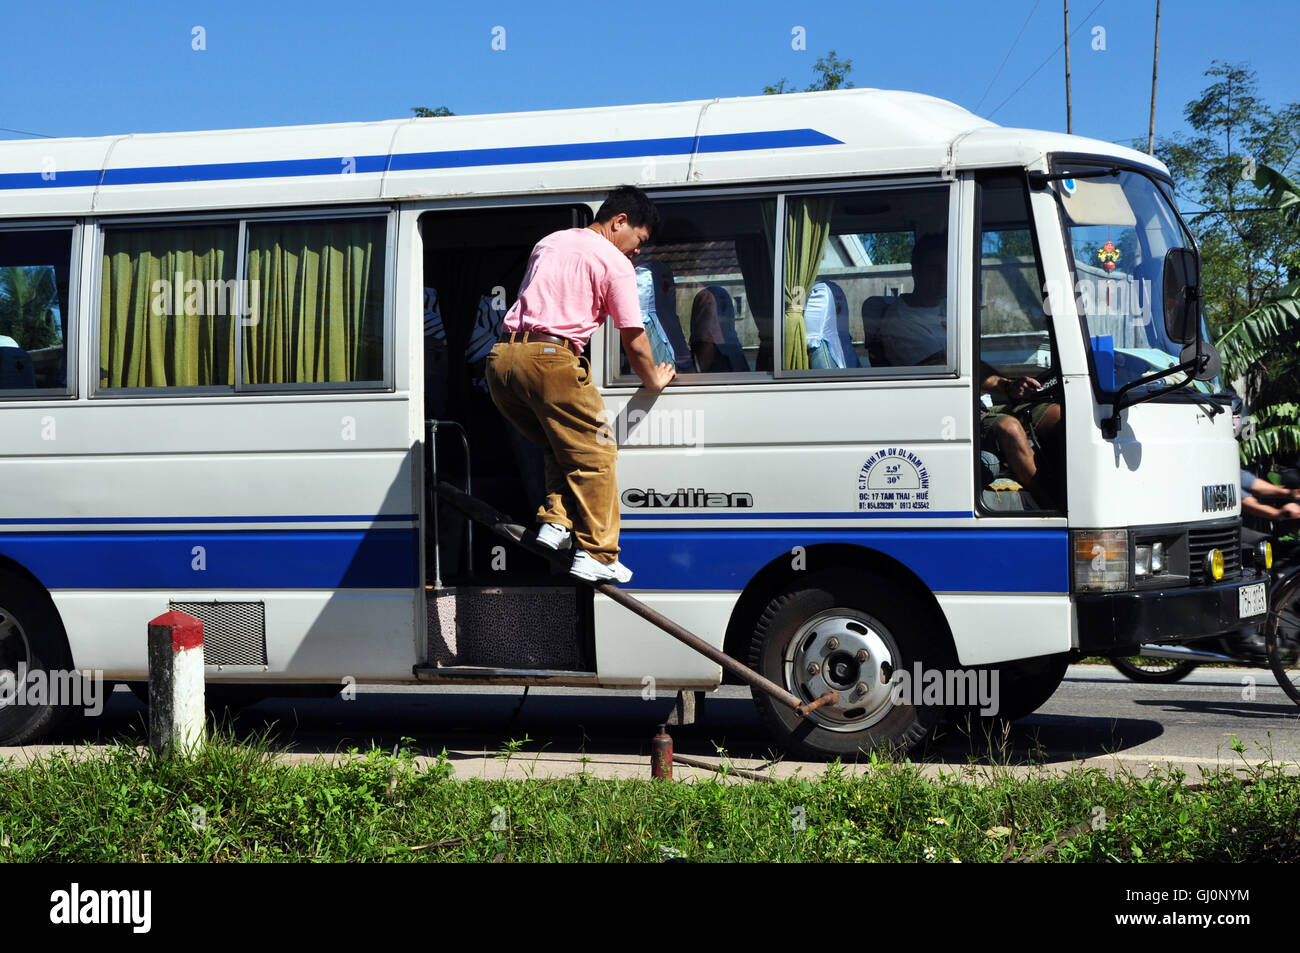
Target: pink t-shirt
x=575 y=278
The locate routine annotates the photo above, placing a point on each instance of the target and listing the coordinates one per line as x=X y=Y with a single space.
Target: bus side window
x=331 y=329
x=167 y=298
x=705 y=281
x=34 y=273
x=865 y=282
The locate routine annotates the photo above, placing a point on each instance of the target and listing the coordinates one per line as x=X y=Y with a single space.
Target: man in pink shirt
x=542 y=385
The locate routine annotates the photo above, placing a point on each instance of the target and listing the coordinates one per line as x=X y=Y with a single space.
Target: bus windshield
x=1120 y=229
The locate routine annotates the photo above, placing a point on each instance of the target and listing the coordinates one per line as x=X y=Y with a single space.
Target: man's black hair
x=630 y=201
x=928 y=245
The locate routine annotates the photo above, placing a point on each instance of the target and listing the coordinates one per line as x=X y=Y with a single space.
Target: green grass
x=236 y=803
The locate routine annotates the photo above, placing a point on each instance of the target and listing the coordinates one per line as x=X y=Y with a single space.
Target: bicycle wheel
x=1282 y=636
x=1143 y=669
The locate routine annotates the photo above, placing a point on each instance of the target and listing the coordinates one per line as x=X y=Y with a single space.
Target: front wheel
x=1152 y=670
x=35 y=665
x=851 y=632
x=1282 y=637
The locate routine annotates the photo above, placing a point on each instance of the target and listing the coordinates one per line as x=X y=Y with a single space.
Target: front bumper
x=1110 y=621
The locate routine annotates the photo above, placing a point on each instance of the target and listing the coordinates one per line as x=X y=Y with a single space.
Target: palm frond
x=1282 y=192
x=1255 y=335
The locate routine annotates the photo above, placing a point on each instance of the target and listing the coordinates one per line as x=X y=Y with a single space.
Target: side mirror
x=1211 y=365
x=1182 y=286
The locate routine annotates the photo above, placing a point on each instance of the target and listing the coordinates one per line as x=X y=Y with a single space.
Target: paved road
x=1096 y=713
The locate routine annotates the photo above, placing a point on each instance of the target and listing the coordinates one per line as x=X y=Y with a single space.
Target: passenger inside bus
x=658 y=292
x=16 y=369
x=914 y=332
x=714 y=343
x=826 y=317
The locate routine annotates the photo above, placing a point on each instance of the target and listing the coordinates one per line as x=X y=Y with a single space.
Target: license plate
x=1251 y=601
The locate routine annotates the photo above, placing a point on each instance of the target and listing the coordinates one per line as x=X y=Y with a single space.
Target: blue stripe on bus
x=417 y=161
x=206 y=520
x=251 y=559
x=958 y=560
x=946 y=560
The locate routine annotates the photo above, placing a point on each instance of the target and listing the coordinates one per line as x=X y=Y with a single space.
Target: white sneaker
x=554 y=536
x=585 y=566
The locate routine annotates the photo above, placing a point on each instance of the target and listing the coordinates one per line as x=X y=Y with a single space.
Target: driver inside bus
x=914 y=333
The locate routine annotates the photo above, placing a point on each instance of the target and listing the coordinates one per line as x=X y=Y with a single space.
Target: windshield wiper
x=1110 y=426
x=1040 y=179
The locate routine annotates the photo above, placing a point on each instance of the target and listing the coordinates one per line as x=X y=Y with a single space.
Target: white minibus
x=943 y=406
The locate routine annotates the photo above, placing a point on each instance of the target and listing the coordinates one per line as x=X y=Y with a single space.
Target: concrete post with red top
x=175 y=684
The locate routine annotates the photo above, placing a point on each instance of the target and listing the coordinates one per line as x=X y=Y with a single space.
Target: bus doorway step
x=525 y=627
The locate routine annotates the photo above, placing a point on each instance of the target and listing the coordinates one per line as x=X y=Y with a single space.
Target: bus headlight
x=1141 y=561
x=1265 y=551
x=1148 y=559
x=1101 y=560
x=1214 y=564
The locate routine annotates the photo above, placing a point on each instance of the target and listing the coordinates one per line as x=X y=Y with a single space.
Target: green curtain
x=807 y=228
x=154 y=330
x=755 y=253
x=318 y=291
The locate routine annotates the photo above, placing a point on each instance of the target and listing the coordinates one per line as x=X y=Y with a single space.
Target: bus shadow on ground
x=475 y=726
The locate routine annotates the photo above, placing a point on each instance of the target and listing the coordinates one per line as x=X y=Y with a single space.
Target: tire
x=1154 y=670
x=1282 y=637
x=1023 y=687
x=31 y=636
x=861 y=610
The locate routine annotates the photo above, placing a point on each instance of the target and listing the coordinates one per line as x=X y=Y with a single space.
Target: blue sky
x=89 y=69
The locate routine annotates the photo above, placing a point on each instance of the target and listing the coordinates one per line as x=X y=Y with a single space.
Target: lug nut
x=862 y=655
x=832 y=643
x=813 y=668
x=861 y=689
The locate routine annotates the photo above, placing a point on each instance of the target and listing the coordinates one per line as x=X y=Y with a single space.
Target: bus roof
x=854 y=132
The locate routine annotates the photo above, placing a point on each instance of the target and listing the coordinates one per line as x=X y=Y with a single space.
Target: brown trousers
x=546 y=392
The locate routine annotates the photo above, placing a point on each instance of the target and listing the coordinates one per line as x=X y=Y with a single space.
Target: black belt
x=530 y=337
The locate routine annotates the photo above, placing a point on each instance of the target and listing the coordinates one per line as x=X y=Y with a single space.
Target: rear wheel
x=32 y=645
x=1143 y=669
x=847 y=631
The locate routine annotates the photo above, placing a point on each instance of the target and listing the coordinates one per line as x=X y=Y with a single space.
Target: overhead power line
x=1007 y=57
x=1049 y=59
x=23 y=132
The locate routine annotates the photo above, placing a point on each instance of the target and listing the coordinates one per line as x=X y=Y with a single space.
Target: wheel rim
x=849 y=652
x=15 y=651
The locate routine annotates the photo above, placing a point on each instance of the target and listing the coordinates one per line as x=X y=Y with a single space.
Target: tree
x=831 y=72
x=1249 y=254
x=29 y=301
x=1256 y=336
x=424 y=112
